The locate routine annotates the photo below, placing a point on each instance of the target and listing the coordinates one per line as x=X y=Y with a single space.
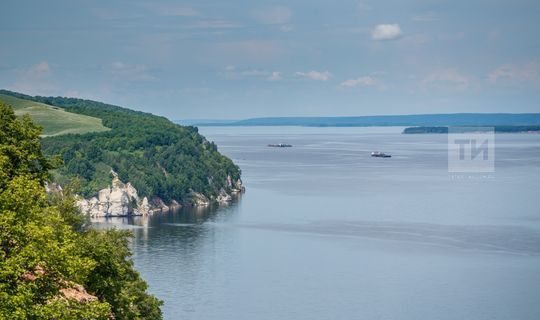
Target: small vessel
x=379 y=154
x=280 y=145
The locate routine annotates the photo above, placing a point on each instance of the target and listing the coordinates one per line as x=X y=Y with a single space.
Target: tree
x=20 y=148
x=48 y=269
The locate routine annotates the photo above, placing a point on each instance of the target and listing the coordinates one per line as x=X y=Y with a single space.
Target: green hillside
x=54 y=120
x=161 y=159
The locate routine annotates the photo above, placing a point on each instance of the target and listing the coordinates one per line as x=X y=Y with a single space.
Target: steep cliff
x=121 y=199
x=117 y=200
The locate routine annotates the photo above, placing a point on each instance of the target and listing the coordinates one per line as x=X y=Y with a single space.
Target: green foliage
x=20 y=149
x=158 y=157
x=44 y=247
x=114 y=278
x=55 y=121
x=73 y=310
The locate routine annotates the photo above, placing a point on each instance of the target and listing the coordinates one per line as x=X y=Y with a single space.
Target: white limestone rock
x=159 y=204
x=223 y=197
x=132 y=192
x=117 y=200
x=229 y=181
x=238 y=187
x=143 y=207
x=197 y=199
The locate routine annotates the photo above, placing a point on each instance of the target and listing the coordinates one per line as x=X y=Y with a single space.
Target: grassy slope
x=54 y=120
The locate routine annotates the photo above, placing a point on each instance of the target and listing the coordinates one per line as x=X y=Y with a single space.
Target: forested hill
x=158 y=157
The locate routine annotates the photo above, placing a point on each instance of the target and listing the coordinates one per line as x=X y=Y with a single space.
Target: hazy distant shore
x=497 y=129
x=504 y=120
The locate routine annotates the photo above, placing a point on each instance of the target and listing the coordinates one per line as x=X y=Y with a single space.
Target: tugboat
x=280 y=145
x=379 y=154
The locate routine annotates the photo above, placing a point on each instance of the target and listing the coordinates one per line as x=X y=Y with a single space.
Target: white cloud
x=386 y=32
x=529 y=72
x=447 y=79
x=274 y=15
x=36 y=80
x=315 y=75
x=41 y=68
x=275 y=76
x=364 y=81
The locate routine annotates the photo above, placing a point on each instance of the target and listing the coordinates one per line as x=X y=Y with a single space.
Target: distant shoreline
x=496 y=129
x=420 y=120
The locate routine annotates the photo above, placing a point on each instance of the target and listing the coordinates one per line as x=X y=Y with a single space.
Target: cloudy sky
x=238 y=59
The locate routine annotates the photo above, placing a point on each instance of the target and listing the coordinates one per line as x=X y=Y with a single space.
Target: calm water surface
x=324 y=231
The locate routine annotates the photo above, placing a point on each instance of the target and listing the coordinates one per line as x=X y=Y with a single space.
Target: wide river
x=324 y=231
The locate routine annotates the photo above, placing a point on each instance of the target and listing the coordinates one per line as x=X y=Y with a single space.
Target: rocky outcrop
x=174 y=205
x=236 y=186
x=196 y=199
x=53 y=188
x=121 y=199
x=78 y=293
x=33 y=275
x=159 y=204
x=223 y=197
x=71 y=291
x=117 y=200
x=144 y=207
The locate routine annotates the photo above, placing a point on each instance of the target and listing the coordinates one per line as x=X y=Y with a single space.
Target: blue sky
x=240 y=59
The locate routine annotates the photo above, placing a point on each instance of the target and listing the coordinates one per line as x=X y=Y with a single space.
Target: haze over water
x=325 y=231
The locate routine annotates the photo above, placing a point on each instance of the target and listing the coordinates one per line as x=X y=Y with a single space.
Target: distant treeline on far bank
x=416 y=120
x=497 y=129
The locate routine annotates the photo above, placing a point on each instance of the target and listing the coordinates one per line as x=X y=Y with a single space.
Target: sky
x=242 y=59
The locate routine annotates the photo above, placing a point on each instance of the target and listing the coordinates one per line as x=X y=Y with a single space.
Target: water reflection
x=183 y=225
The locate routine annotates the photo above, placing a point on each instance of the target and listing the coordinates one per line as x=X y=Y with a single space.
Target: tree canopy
x=158 y=157
x=52 y=266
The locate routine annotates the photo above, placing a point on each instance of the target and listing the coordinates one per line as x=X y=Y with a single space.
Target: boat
x=379 y=154
x=280 y=145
